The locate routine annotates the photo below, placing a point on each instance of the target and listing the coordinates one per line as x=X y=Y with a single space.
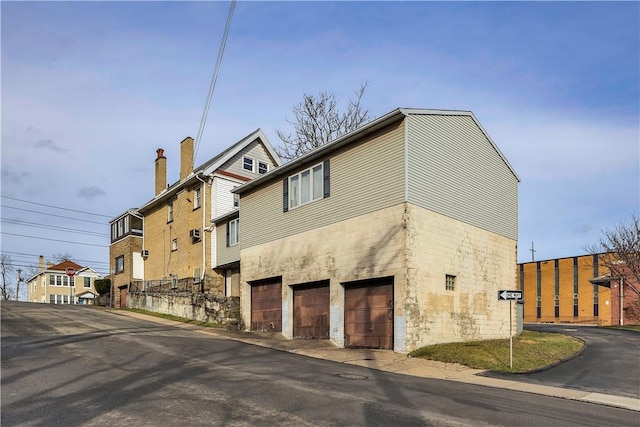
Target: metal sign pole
x=510 y=334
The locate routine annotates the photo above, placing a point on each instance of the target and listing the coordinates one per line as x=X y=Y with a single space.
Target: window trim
x=197 y=198
x=266 y=167
x=294 y=183
x=233 y=239
x=119 y=270
x=174 y=245
x=244 y=164
x=170 y=212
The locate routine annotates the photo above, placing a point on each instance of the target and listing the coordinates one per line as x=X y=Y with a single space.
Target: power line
x=54 y=240
x=25 y=255
x=52 y=227
x=214 y=77
x=50 y=214
x=56 y=207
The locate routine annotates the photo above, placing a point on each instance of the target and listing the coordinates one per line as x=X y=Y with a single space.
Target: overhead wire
x=52 y=227
x=57 y=216
x=55 y=207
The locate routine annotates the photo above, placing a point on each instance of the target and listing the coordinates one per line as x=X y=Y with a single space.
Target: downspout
x=621 y=279
x=204 y=216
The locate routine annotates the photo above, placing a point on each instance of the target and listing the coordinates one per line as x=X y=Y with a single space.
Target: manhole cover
x=353 y=376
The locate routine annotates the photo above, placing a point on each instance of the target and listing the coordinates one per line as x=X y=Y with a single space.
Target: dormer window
x=248 y=164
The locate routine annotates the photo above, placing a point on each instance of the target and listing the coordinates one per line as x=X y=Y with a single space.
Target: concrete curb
x=385 y=360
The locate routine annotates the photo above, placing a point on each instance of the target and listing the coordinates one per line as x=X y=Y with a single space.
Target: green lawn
x=531 y=351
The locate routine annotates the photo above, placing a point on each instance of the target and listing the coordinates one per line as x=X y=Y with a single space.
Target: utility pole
x=19 y=271
x=533 y=251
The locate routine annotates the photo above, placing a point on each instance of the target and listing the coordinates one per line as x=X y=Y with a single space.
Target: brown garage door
x=368 y=314
x=266 y=305
x=311 y=311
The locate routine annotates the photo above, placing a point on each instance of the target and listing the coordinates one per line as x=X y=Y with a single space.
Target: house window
x=236 y=200
x=233 y=232
x=247 y=163
x=196 y=198
x=306 y=186
x=87 y=282
x=450 y=282
x=263 y=167
x=58 y=280
x=120 y=264
x=52 y=280
x=174 y=245
x=170 y=212
x=52 y=299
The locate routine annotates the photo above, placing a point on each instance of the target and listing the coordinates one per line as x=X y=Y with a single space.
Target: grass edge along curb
x=532 y=351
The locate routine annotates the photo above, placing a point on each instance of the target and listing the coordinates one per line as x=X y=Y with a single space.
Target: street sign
x=71 y=271
x=509 y=295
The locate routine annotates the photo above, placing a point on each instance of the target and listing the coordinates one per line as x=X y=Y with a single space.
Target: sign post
x=71 y=272
x=504 y=295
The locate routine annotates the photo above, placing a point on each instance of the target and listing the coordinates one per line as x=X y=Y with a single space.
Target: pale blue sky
x=91 y=89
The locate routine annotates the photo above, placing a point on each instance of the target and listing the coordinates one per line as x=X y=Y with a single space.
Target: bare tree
x=61 y=257
x=620 y=249
x=318 y=120
x=6 y=270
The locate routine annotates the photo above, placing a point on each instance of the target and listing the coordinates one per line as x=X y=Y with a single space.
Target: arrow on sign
x=510 y=295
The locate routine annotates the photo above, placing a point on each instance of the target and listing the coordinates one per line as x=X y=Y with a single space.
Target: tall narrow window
x=236 y=200
x=87 y=282
x=233 y=232
x=120 y=264
x=170 y=212
x=450 y=282
x=174 y=245
x=196 y=198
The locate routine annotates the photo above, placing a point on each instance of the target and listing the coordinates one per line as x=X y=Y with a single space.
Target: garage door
x=368 y=316
x=266 y=306
x=311 y=311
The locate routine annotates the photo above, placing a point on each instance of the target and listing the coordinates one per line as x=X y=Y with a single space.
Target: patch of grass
x=531 y=351
x=176 y=318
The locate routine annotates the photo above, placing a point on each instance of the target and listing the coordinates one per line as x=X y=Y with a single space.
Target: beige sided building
x=397 y=235
x=52 y=284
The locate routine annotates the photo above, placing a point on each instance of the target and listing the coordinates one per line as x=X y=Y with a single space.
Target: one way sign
x=509 y=295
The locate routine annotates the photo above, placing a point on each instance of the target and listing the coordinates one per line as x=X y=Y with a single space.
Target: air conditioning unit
x=144 y=253
x=195 y=233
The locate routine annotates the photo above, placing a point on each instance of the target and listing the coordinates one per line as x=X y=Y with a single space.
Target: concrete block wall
x=364 y=247
x=482 y=263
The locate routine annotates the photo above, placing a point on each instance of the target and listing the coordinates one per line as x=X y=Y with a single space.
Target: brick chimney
x=186 y=157
x=161 y=171
x=41 y=264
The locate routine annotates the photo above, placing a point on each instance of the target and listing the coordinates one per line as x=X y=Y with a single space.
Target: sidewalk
x=385 y=360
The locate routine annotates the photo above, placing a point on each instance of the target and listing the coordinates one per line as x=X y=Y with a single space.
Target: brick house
x=170 y=239
x=397 y=235
x=52 y=285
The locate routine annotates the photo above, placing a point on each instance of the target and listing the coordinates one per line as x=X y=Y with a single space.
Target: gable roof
x=355 y=135
x=64 y=265
x=211 y=165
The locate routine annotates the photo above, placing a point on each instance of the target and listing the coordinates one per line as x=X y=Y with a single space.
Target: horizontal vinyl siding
x=454 y=170
x=364 y=178
x=254 y=150
x=223 y=197
x=225 y=254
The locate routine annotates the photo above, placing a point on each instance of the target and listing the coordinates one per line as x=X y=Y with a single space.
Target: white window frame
x=174 y=244
x=295 y=186
x=84 y=282
x=234 y=232
x=119 y=268
x=263 y=167
x=196 y=198
x=253 y=164
x=170 y=212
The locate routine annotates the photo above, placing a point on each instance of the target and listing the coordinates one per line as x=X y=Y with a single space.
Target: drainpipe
x=621 y=279
x=204 y=216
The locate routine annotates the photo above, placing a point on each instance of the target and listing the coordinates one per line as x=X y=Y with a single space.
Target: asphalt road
x=76 y=366
x=609 y=363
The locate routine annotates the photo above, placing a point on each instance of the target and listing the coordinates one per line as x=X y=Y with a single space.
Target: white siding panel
x=254 y=150
x=454 y=170
x=138 y=266
x=365 y=177
x=223 y=198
